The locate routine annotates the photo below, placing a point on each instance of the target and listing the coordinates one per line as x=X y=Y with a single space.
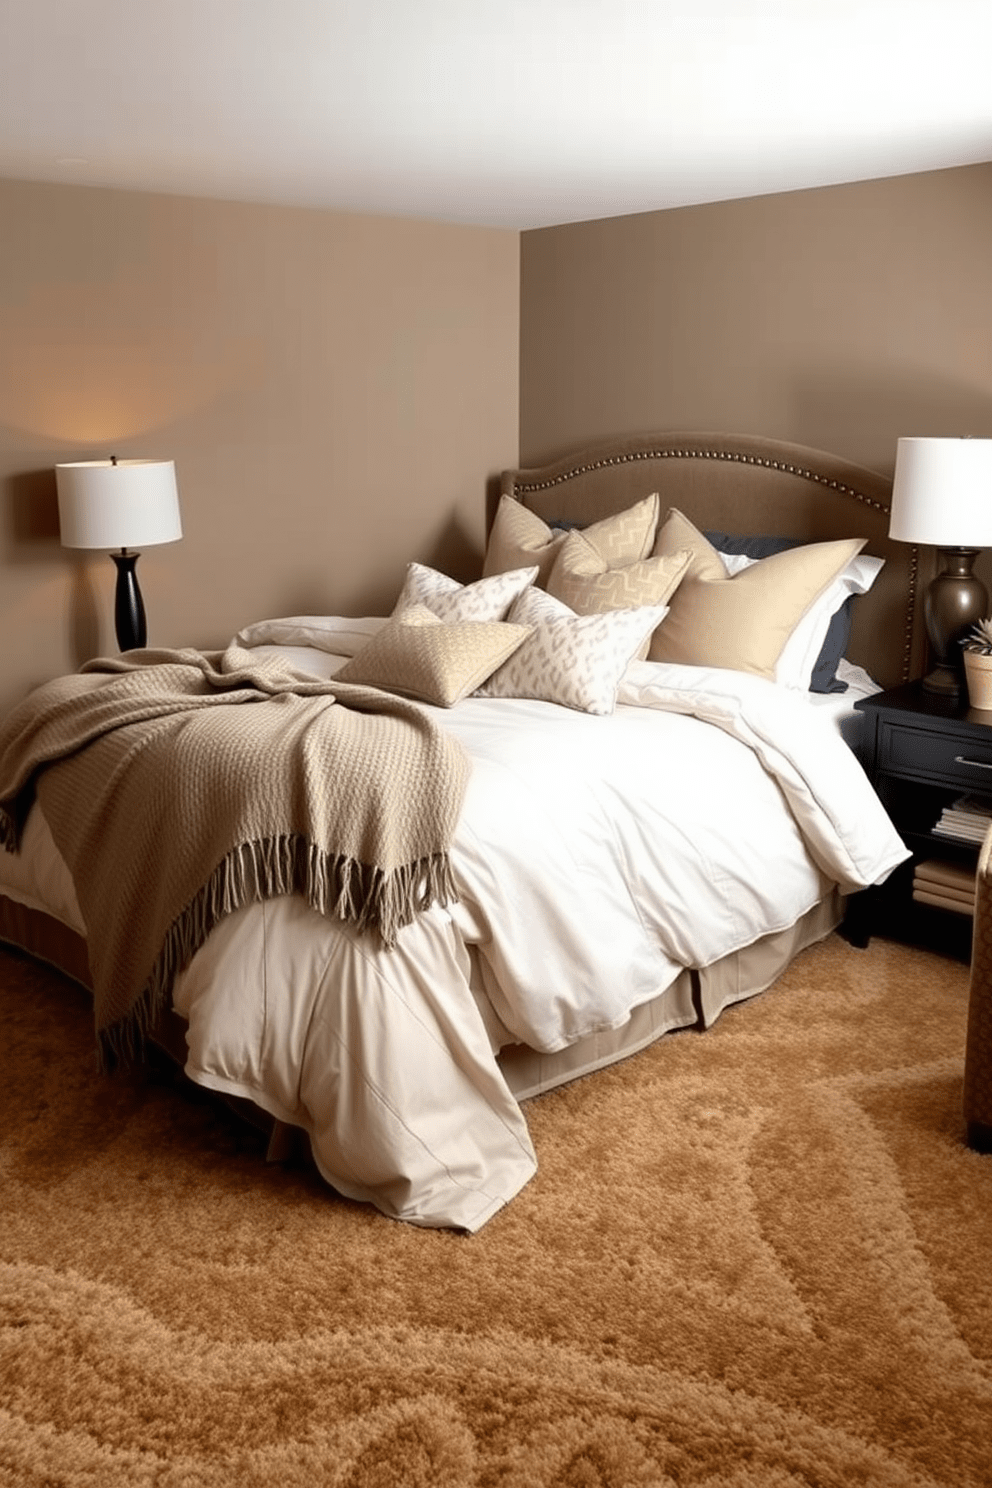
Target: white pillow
x=801 y=651
x=575 y=660
x=486 y=599
x=341 y=635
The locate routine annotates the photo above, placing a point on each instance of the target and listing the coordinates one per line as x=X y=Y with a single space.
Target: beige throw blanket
x=180 y=785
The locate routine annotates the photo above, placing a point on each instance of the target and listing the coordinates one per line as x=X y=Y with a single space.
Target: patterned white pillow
x=575 y=660
x=420 y=656
x=486 y=599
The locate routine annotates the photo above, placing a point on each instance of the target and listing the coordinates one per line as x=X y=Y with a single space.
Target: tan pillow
x=519 y=538
x=742 y=622
x=676 y=534
x=582 y=579
x=420 y=656
x=627 y=536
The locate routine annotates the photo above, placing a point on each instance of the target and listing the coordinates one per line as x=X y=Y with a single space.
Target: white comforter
x=595 y=857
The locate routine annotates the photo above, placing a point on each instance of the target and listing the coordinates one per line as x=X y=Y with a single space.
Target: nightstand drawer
x=958 y=759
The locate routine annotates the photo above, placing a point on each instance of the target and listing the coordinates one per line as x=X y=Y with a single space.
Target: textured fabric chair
x=978 y=1046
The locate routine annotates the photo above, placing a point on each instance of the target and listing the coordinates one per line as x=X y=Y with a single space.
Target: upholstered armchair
x=978 y=1045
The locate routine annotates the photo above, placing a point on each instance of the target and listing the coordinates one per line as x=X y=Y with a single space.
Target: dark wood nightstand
x=925 y=756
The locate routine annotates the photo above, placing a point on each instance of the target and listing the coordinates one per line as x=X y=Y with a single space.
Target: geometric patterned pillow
x=627 y=536
x=575 y=660
x=582 y=579
x=518 y=537
x=486 y=599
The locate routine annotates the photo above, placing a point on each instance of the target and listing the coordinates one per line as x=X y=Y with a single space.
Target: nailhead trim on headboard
x=732 y=456
x=520 y=488
x=907 y=644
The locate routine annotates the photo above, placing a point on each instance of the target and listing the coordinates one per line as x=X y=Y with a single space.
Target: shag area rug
x=756 y=1258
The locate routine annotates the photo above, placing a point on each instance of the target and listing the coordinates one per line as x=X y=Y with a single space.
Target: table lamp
x=122 y=504
x=942 y=497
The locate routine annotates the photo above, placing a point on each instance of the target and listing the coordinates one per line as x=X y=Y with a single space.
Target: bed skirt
x=694 y=999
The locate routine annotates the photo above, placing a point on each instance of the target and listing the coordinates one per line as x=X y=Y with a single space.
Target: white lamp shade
x=942 y=493
x=122 y=504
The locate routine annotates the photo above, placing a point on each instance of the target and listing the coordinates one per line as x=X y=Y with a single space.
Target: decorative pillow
x=677 y=533
x=626 y=536
x=582 y=579
x=741 y=622
x=420 y=656
x=811 y=656
x=518 y=537
x=574 y=660
x=486 y=599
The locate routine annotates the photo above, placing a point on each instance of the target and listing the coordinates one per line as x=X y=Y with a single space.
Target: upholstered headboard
x=749 y=484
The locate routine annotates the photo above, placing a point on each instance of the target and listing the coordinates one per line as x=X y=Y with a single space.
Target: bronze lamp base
x=955 y=601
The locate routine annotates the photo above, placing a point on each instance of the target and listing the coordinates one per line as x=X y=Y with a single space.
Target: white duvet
x=596 y=857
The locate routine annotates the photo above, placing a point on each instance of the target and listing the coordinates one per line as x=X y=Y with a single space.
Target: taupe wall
x=840 y=318
x=336 y=392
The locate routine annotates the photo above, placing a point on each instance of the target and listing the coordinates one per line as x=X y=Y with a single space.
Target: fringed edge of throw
x=368 y=898
x=8 y=835
x=13 y=815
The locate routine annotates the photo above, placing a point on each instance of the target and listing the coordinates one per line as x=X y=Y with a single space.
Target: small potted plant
x=977 y=649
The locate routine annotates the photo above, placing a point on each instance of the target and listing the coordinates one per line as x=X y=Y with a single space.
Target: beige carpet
x=760 y=1256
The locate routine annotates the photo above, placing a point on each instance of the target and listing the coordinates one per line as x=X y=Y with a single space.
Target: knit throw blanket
x=181 y=785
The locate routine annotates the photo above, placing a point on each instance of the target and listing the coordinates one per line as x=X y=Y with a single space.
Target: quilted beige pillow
x=740 y=622
x=518 y=538
x=575 y=660
x=422 y=657
x=486 y=599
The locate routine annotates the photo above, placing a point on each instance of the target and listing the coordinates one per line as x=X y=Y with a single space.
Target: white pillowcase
x=801 y=651
x=575 y=660
x=486 y=599
x=341 y=635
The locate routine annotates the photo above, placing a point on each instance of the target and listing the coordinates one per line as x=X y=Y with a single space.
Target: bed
x=621 y=871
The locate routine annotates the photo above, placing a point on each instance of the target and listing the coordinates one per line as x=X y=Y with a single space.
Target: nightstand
x=930 y=760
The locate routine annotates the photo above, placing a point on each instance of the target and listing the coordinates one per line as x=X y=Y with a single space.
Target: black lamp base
x=129 y=611
x=956 y=600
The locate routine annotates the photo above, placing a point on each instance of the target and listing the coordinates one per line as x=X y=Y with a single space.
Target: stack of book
x=946 y=885
x=967 y=819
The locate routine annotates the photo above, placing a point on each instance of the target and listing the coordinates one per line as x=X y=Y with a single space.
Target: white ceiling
x=514 y=113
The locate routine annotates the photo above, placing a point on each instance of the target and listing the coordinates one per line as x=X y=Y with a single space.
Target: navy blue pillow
x=824 y=678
